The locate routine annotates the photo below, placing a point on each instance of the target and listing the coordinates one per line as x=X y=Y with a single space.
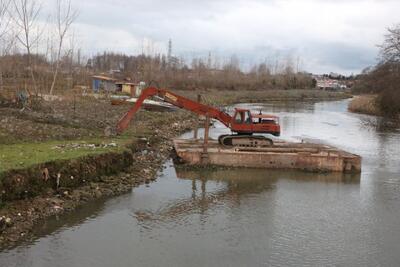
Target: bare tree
x=65 y=16
x=26 y=17
x=384 y=78
x=4 y=29
x=4 y=19
x=390 y=50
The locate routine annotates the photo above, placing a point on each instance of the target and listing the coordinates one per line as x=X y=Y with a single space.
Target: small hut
x=103 y=83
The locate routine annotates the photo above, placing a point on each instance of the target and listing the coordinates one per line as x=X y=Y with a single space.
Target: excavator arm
x=176 y=100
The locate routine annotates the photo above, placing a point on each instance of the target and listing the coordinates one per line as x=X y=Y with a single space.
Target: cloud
x=327 y=35
x=338 y=57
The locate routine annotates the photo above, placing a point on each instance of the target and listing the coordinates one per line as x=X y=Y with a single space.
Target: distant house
x=333 y=81
x=326 y=84
x=329 y=84
x=103 y=83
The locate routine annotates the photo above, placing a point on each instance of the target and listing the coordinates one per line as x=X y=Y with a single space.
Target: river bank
x=367 y=105
x=60 y=181
x=140 y=163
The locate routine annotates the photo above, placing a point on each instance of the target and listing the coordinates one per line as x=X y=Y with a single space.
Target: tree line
x=201 y=73
x=39 y=53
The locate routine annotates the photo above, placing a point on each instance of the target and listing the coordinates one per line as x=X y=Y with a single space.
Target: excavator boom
x=176 y=100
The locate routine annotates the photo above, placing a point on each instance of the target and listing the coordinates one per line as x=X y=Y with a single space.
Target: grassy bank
x=28 y=158
x=364 y=104
x=23 y=155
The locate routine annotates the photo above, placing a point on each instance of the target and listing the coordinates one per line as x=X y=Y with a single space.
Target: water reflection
x=230 y=187
x=279 y=107
x=380 y=124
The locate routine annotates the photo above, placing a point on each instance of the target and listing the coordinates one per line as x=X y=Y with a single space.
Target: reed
x=365 y=104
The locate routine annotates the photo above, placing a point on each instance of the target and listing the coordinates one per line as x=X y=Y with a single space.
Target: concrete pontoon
x=282 y=155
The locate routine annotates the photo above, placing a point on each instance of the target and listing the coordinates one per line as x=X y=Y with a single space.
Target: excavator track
x=245 y=141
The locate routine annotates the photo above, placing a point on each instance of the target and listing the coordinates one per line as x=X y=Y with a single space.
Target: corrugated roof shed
x=104 y=78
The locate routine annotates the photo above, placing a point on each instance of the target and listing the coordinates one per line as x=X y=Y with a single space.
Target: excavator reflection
x=230 y=187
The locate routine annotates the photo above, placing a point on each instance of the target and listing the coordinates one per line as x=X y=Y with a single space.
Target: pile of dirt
x=15 y=129
x=71 y=118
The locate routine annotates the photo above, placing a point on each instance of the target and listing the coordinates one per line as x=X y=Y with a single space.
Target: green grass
x=23 y=155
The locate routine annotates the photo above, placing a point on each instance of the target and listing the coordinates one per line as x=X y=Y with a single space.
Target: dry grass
x=365 y=104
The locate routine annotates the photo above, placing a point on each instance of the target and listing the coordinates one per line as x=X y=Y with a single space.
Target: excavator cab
x=244 y=122
x=242 y=116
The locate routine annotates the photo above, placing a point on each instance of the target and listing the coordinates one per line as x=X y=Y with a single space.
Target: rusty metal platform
x=283 y=155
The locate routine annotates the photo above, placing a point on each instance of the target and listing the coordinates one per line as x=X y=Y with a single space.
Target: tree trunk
x=54 y=78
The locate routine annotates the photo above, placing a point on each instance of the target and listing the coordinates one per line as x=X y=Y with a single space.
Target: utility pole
x=169 y=52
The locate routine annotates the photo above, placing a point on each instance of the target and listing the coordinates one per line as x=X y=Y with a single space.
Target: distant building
x=103 y=83
x=332 y=81
x=329 y=84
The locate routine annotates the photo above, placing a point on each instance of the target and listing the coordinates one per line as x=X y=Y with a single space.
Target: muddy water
x=245 y=217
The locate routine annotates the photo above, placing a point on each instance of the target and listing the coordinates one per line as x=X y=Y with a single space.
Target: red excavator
x=243 y=123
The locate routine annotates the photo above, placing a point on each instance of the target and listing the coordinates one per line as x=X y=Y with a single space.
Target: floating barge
x=282 y=155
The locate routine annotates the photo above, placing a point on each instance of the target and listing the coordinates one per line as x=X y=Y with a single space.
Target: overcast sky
x=326 y=35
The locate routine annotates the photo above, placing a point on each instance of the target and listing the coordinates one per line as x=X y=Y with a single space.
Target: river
x=244 y=217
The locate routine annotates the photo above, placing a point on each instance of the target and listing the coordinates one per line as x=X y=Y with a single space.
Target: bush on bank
x=384 y=78
x=384 y=81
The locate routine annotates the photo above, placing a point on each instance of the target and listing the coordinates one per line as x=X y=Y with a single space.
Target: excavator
x=243 y=123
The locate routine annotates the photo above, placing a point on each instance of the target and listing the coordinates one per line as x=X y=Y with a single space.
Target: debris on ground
x=84 y=145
